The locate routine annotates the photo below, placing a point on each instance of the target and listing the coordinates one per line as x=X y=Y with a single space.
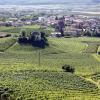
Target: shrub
x=6 y=93
x=68 y=68
x=5 y=96
x=22 y=40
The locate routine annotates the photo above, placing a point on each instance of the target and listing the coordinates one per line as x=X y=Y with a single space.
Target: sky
x=44 y=1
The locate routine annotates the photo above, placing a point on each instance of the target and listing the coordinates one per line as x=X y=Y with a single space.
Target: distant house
x=56 y=34
x=74 y=33
x=41 y=19
x=17 y=24
x=28 y=22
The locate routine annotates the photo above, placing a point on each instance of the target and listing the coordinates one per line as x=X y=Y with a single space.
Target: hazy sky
x=42 y=1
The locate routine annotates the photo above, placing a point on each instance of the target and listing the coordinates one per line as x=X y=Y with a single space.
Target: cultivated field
x=31 y=77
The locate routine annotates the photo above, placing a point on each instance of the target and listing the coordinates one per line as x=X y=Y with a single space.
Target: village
x=72 y=25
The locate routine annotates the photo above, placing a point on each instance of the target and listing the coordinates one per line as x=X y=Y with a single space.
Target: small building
x=41 y=19
x=56 y=34
x=74 y=33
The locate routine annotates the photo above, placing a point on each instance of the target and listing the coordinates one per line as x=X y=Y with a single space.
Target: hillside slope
x=21 y=72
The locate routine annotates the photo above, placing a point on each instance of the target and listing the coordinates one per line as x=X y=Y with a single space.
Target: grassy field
x=29 y=29
x=21 y=71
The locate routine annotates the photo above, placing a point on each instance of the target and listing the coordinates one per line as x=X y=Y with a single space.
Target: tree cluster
x=60 y=26
x=37 y=39
x=92 y=32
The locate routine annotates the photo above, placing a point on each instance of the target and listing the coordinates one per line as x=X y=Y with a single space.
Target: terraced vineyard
x=96 y=77
x=92 y=47
x=5 y=43
x=21 y=71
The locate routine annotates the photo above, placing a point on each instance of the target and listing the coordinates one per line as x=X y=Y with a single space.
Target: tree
x=8 y=24
x=39 y=39
x=61 y=26
x=22 y=37
x=23 y=33
x=56 y=18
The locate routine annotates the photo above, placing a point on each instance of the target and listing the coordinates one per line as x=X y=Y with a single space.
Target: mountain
x=28 y=2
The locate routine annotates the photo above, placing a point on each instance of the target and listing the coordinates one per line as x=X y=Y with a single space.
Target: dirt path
x=8 y=47
x=96 y=57
x=96 y=83
x=92 y=81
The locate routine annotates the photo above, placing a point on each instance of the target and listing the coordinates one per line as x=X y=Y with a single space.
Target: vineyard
x=29 y=29
x=6 y=43
x=93 y=47
x=29 y=73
